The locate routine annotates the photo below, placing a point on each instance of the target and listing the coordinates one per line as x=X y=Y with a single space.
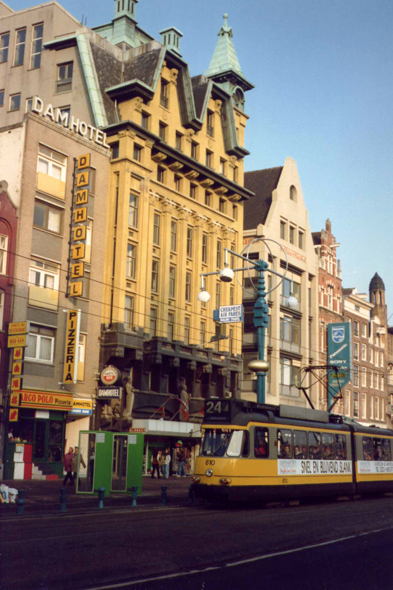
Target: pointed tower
x=225 y=68
x=377 y=297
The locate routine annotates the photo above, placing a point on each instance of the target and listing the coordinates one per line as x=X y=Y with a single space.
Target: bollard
x=20 y=503
x=63 y=499
x=163 y=495
x=101 y=493
x=134 y=492
x=191 y=495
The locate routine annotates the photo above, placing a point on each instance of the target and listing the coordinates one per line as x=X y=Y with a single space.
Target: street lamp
x=261 y=309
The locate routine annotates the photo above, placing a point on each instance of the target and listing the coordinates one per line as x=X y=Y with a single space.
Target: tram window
x=367 y=448
x=378 y=452
x=246 y=444
x=284 y=444
x=235 y=446
x=387 y=454
x=314 y=445
x=327 y=446
x=215 y=441
x=341 y=447
x=261 y=443
x=300 y=446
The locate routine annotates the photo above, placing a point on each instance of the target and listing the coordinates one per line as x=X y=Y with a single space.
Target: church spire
x=225 y=68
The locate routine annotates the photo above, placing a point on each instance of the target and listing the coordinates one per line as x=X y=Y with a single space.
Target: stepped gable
x=262 y=183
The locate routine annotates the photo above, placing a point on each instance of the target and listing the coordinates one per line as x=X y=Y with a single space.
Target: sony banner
x=339 y=355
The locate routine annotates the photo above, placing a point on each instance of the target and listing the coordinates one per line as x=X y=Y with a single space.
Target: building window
x=283 y=227
x=347 y=402
x=153 y=322
x=221 y=205
x=290 y=329
x=145 y=121
x=364 y=331
x=114 y=150
x=364 y=352
x=64 y=77
x=179 y=141
x=128 y=312
x=207 y=198
x=137 y=155
x=290 y=288
x=28 y=105
x=131 y=261
x=40 y=344
x=189 y=242
x=203 y=334
x=4 y=46
x=204 y=248
x=3 y=254
x=356 y=328
x=172 y=282
x=289 y=374
x=293 y=194
x=376 y=413
x=14 y=102
x=20 y=42
x=160 y=174
x=187 y=330
x=209 y=158
x=363 y=406
x=222 y=166
x=164 y=94
x=218 y=295
x=356 y=351
x=44 y=275
x=219 y=254
x=178 y=180
x=194 y=150
x=235 y=174
x=47 y=217
x=193 y=190
x=188 y=286
x=355 y=404
x=210 y=123
x=162 y=131
x=173 y=236
x=301 y=240
x=356 y=376
x=156 y=229
x=36 y=46
x=133 y=210
x=1 y=98
x=291 y=234
x=371 y=354
x=171 y=326
x=371 y=406
x=330 y=297
x=154 y=276
x=51 y=163
x=364 y=377
x=235 y=214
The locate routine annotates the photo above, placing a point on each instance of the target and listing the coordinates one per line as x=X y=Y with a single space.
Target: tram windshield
x=219 y=441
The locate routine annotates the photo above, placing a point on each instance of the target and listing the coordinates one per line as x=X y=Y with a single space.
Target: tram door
x=119 y=463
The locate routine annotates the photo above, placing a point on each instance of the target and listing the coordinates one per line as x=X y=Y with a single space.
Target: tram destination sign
x=218 y=410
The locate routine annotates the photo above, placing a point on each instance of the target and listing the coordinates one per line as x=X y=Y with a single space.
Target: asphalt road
x=317 y=546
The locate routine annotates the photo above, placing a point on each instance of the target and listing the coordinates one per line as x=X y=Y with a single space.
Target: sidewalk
x=43 y=497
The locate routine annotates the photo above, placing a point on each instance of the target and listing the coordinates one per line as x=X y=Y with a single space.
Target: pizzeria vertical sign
x=71 y=346
x=79 y=226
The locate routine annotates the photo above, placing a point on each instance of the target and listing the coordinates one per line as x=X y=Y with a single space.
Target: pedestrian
x=74 y=462
x=155 y=464
x=166 y=463
x=67 y=466
x=181 y=457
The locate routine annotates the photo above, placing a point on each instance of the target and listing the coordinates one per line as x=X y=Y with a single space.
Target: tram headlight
x=209 y=473
x=196 y=479
x=225 y=480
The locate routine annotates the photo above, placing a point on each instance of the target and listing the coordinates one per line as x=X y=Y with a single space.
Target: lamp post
x=261 y=309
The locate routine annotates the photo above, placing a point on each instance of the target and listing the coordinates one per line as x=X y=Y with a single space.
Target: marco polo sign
x=72 y=123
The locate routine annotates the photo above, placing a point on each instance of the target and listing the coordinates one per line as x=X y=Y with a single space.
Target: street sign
x=339 y=355
x=228 y=314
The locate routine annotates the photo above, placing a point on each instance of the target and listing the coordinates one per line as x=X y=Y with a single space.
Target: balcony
x=51 y=186
x=45 y=298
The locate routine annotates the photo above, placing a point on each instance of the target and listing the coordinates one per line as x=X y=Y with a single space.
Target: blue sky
x=323 y=95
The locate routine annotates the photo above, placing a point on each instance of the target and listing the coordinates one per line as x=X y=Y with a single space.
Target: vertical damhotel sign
x=71 y=346
x=82 y=186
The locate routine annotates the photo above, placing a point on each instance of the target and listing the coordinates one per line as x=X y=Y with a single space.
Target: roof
x=376 y=283
x=262 y=183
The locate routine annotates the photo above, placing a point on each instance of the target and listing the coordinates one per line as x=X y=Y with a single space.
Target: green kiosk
x=110 y=460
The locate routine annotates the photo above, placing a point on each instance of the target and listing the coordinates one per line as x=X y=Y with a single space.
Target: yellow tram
x=263 y=452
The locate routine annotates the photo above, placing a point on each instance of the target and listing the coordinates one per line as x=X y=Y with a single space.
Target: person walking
x=155 y=464
x=67 y=466
x=166 y=463
x=74 y=462
x=181 y=457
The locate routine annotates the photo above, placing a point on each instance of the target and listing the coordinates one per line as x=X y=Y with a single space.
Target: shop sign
x=17 y=341
x=14 y=399
x=138 y=430
x=71 y=346
x=16 y=383
x=14 y=414
x=73 y=124
x=82 y=407
x=228 y=314
x=17 y=328
x=110 y=375
x=46 y=400
x=17 y=368
x=109 y=392
x=18 y=354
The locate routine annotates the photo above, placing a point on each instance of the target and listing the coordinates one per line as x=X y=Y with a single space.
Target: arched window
x=293 y=194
